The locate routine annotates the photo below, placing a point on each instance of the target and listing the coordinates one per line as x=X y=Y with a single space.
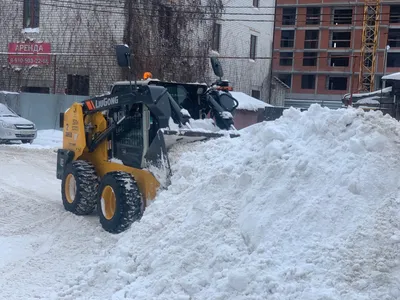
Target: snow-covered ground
x=305 y=207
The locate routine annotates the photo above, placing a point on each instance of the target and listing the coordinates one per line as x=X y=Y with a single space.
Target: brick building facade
x=317 y=46
x=73 y=43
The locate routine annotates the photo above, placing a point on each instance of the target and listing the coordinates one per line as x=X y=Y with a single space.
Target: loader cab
x=131 y=141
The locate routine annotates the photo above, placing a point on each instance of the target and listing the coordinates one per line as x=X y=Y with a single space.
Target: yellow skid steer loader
x=111 y=143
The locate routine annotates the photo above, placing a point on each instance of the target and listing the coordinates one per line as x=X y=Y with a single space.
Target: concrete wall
x=42 y=109
x=246 y=74
x=278 y=93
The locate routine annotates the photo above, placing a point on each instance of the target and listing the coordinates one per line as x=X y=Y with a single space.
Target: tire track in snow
x=41 y=245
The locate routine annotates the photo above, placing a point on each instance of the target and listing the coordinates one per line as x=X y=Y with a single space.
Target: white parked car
x=14 y=127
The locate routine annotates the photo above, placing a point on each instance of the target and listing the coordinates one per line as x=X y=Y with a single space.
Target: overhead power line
x=94 y=7
x=178 y=56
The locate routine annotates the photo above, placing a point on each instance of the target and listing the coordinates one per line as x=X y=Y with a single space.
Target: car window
x=6 y=112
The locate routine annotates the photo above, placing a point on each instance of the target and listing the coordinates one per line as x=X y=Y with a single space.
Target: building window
x=311 y=39
x=313 y=15
x=165 y=21
x=339 y=60
x=31 y=13
x=256 y=3
x=288 y=16
x=286 y=58
x=78 y=85
x=342 y=16
x=341 y=39
x=253 y=46
x=394 y=14
x=287 y=38
x=35 y=89
x=308 y=82
x=286 y=79
x=337 y=83
x=216 y=42
x=393 y=60
x=310 y=59
x=394 y=38
x=256 y=94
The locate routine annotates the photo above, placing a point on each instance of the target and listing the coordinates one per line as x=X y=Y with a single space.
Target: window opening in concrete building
x=216 y=42
x=31 y=13
x=286 y=79
x=394 y=38
x=288 y=16
x=35 y=89
x=310 y=59
x=256 y=94
x=337 y=83
x=286 y=58
x=165 y=21
x=342 y=16
x=340 y=39
x=311 y=39
x=287 y=38
x=338 y=60
x=313 y=15
x=253 y=47
x=394 y=14
x=78 y=85
x=308 y=82
x=256 y=3
x=393 y=60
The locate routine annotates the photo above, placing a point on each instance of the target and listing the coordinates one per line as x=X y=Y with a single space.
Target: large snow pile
x=305 y=207
x=247 y=102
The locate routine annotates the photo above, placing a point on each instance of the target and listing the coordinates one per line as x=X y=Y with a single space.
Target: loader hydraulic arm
x=102 y=103
x=222 y=114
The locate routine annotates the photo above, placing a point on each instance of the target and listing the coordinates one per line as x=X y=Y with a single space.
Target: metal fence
x=42 y=109
x=306 y=103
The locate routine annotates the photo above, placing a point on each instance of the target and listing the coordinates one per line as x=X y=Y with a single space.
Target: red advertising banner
x=30 y=53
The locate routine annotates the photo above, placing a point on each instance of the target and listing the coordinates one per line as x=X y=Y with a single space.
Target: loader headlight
x=7 y=125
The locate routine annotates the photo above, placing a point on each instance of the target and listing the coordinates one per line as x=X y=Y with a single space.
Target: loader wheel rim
x=108 y=202
x=70 y=188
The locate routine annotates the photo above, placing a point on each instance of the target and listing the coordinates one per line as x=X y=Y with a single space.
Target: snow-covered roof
x=374 y=93
x=247 y=102
x=7 y=92
x=281 y=82
x=393 y=76
x=368 y=100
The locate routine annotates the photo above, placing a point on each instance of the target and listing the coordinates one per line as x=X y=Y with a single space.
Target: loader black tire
x=126 y=200
x=86 y=184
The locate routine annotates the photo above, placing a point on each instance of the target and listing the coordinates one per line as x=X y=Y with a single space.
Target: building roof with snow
x=393 y=76
x=247 y=102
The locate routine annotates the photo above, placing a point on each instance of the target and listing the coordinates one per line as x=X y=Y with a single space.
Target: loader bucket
x=156 y=157
x=172 y=137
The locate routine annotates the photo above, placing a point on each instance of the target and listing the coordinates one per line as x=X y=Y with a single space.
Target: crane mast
x=366 y=79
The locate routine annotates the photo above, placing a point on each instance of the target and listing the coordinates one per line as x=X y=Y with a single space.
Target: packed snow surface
x=304 y=207
x=46 y=139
